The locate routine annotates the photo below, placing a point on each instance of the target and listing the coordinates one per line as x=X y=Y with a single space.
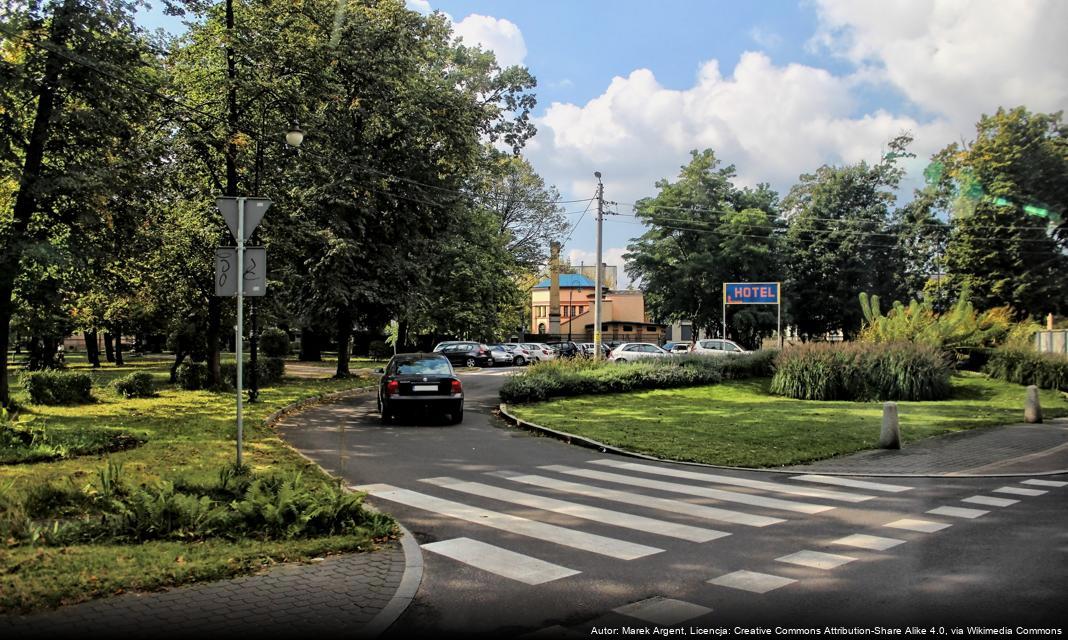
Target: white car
x=631 y=351
x=716 y=348
x=520 y=354
x=501 y=355
x=539 y=352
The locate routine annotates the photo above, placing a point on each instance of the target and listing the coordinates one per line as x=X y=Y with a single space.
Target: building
x=623 y=316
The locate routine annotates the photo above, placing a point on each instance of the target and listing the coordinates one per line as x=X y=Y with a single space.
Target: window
x=628 y=328
x=633 y=347
x=427 y=365
x=687 y=332
x=729 y=347
x=711 y=344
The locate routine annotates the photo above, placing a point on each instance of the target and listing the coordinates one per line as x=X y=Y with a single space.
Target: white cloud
x=957 y=58
x=612 y=256
x=501 y=36
x=765 y=38
x=419 y=6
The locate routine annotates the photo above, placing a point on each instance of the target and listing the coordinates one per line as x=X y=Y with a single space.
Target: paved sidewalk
x=1013 y=449
x=336 y=596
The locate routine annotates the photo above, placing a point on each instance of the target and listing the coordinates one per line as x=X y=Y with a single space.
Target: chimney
x=554 y=288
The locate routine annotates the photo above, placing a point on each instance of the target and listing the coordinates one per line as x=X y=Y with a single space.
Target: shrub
x=192 y=376
x=58 y=387
x=268 y=371
x=379 y=350
x=136 y=385
x=1020 y=366
x=862 y=371
x=274 y=343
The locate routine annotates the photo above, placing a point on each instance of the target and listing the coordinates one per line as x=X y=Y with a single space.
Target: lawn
x=189 y=437
x=739 y=423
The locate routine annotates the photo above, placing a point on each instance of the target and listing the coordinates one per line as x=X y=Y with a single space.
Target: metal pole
x=240 y=319
x=723 y=330
x=597 y=280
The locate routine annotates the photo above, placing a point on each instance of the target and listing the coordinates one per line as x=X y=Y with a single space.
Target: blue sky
x=775 y=87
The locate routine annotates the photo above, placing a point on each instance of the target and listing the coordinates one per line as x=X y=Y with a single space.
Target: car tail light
x=393 y=387
x=457 y=387
x=546 y=351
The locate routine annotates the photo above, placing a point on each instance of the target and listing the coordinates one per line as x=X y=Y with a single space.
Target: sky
x=776 y=88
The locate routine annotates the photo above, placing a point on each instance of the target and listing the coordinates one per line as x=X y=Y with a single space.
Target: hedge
x=862 y=371
x=274 y=343
x=192 y=376
x=559 y=378
x=269 y=371
x=1047 y=371
x=58 y=387
x=136 y=385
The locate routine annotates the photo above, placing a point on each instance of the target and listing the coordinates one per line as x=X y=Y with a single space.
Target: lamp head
x=294 y=136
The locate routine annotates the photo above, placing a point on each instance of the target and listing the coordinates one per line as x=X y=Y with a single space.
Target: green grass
x=740 y=423
x=190 y=435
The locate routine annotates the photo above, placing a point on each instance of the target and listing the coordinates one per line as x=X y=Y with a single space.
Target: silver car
x=631 y=351
x=520 y=355
x=716 y=348
x=502 y=357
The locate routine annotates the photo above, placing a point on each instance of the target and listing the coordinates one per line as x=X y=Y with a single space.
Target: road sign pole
x=240 y=319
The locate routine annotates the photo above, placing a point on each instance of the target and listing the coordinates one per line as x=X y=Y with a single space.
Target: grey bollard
x=1032 y=408
x=890 y=437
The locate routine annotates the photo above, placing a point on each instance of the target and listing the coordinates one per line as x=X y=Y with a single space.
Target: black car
x=566 y=348
x=420 y=382
x=468 y=354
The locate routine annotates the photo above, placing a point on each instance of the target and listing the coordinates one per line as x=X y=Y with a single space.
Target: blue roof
x=574 y=280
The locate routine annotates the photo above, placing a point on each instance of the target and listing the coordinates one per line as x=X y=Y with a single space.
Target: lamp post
x=597 y=292
x=294 y=137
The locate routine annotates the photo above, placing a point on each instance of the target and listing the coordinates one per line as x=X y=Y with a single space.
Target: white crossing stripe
x=809 y=492
x=816 y=559
x=990 y=501
x=752 y=581
x=551 y=533
x=615 y=518
x=502 y=562
x=1045 y=483
x=663 y=611
x=650 y=502
x=1020 y=491
x=923 y=526
x=856 y=484
x=864 y=541
x=704 y=492
x=958 y=512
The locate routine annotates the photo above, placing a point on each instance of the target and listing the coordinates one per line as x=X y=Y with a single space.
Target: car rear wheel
x=470 y=362
x=620 y=360
x=519 y=361
x=457 y=414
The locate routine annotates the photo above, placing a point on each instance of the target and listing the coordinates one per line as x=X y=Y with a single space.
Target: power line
x=575 y=226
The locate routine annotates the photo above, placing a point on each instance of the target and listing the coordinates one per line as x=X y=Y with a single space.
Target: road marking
x=856 y=484
x=704 y=492
x=958 y=512
x=1020 y=491
x=923 y=526
x=660 y=504
x=864 y=541
x=502 y=562
x=816 y=559
x=606 y=516
x=752 y=581
x=1045 y=483
x=826 y=494
x=663 y=611
x=990 y=501
x=522 y=526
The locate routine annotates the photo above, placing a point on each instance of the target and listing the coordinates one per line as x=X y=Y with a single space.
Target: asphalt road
x=511 y=547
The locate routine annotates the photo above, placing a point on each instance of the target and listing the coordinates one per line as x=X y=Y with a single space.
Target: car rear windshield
x=424 y=366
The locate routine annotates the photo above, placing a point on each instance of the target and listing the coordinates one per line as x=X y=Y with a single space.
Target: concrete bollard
x=1032 y=408
x=890 y=437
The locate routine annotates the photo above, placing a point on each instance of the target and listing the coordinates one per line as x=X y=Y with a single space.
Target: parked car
x=420 y=382
x=716 y=348
x=676 y=347
x=468 y=354
x=520 y=356
x=441 y=345
x=631 y=351
x=565 y=349
x=501 y=356
x=539 y=352
x=589 y=348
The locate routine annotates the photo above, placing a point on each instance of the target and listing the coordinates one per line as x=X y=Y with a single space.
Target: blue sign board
x=750 y=293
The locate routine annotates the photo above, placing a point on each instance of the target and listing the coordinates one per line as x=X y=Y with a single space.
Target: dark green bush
x=379 y=350
x=268 y=371
x=192 y=376
x=136 y=385
x=862 y=371
x=58 y=387
x=274 y=343
x=1047 y=371
x=559 y=378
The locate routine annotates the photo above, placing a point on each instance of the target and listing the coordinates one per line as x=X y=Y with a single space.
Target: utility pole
x=598 y=355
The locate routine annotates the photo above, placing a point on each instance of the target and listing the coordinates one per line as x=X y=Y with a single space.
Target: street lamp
x=294 y=137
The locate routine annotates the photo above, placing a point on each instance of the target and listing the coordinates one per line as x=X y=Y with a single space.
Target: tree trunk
x=109 y=346
x=310 y=348
x=179 y=356
x=214 y=326
x=25 y=199
x=344 y=333
x=402 y=336
x=92 y=349
x=118 y=346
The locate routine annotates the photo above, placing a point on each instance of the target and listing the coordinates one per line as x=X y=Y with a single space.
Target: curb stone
x=571 y=438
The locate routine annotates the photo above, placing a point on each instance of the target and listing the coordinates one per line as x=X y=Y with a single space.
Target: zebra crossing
x=595 y=491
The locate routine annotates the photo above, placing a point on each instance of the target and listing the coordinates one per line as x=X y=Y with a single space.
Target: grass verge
x=739 y=423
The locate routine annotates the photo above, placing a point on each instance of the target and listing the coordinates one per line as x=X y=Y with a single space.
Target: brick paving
x=334 y=596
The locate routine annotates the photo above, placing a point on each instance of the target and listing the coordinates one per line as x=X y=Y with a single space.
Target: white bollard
x=890 y=437
x=1032 y=408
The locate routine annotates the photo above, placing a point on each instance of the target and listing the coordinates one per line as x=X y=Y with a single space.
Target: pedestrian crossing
x=557 y=505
